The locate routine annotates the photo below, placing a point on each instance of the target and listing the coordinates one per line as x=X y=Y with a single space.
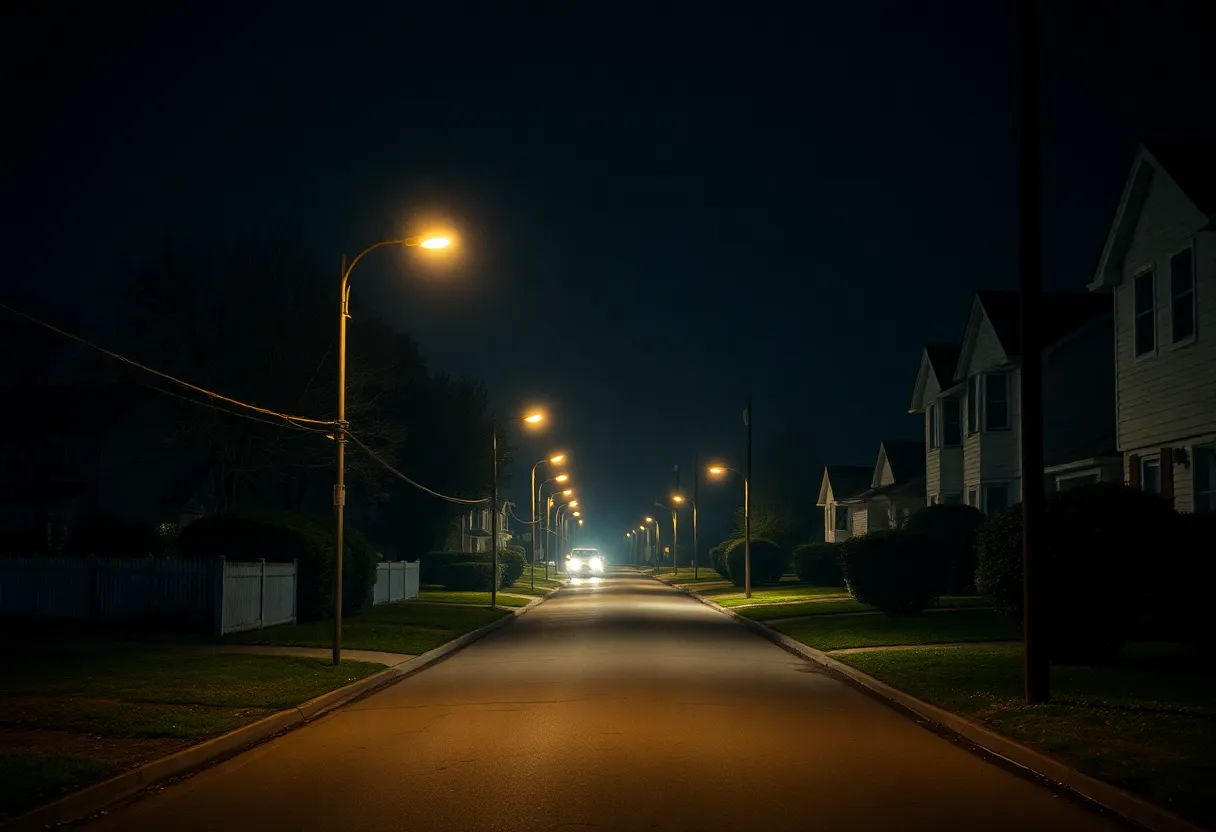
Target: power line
x=225 y=410
x=420 y=487
x=117 y=357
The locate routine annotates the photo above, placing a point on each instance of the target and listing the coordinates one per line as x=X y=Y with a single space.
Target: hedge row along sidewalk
x=79 y=706
x=1146 y=725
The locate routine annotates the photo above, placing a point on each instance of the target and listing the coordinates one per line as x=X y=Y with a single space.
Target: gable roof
x=845 y=481
x=906 y=458
x=940 y=360
x=1061 y=314
x=1189 y=164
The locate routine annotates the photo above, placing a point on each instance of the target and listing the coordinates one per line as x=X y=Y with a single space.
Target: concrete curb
x=92 y=799
x=1129 y=806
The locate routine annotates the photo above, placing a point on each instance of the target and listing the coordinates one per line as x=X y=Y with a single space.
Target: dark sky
x=661 y=211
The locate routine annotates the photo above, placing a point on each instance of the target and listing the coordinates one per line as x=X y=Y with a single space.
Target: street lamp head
x=676 y=498
x=435 y=242
x=573 y=504
x=554 y=460
x=649 y=519
x=577 y=513
x=580 y=522
x=717 y=470
x=567 y=492
x=561 y=478
x=641 y=528
x=535 y=418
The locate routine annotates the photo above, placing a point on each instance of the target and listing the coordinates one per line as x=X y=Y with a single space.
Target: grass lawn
x=732 y=596
x=412 y=627
x=1147 y=723
x=443 y=596
x=833 y=605
x=837 y=633
x=523 y=584
x=72 y=716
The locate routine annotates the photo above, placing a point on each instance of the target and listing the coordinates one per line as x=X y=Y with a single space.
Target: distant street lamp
x=561 y=479
x=550 y=530
x=340 y=426
x=534 y=418
x=676 y=498
x=720 y=471
x=675 y=538
x=658 y=543
x=552 y=460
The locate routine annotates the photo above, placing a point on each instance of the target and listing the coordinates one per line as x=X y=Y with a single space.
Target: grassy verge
x=838 y=633
x=71 y=716
x=834 y=606
x=506 y=597
x=523 y=584
x=732 y=596
x=1147 y=723
x=411 y=627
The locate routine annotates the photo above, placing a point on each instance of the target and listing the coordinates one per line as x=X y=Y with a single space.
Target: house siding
x=859 y=520
x=933 y=471
x=1079 y=392
x=950 y=474
x=1169 y=396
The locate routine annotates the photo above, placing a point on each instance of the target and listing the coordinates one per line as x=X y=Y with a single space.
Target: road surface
x=619 y=705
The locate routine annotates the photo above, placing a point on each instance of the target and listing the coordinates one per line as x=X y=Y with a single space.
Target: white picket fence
x=395 y=582
x=229 y=597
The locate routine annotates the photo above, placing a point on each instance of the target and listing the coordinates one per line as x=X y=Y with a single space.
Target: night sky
x=661 y=213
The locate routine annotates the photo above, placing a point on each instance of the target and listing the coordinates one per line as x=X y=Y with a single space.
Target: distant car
x=584 y=563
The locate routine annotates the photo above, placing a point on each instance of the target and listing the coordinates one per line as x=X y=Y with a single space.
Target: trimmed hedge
x=433 y=566
x=281 y=537
x=471 y=576
x=717 y=559
x=895 y=570
x=1098 y=542
x=513 y=560
x=768 y=562
x=954 y=527
x=818 y=563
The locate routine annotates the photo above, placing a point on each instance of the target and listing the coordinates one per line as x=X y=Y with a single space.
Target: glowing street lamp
x=556 y=459
x=721 y=471
x=430 y=241
x=533 y=418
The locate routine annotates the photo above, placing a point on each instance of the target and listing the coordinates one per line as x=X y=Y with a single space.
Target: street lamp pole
x=747 y=506
x=531 y=418
x=552 y=460
x=675 y=537
x=340 y=426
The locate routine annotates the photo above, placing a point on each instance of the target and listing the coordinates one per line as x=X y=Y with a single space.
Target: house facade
x=1159 y=269
x=897 y=488
x=840 y=484
x=475 y=532
x=972 y=428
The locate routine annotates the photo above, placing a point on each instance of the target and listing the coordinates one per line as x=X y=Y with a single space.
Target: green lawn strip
x=438 y=596
x=837 y=633
x=28 y=778
x=167 y=677
x=831 y=605
x=733 y=596
x=124 y=719
x=1148 y=723
x=411 y=627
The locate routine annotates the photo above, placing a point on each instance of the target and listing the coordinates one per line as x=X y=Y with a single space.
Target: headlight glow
x=575 y=563
x=597 y=564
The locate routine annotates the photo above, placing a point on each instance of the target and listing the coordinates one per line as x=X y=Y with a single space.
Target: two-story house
x=840 y=484
x=971 y=409
x=1159 y=267
x=896 y=488
x=475 y=533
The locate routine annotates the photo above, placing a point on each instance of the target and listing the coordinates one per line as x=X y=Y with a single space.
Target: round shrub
x=717 y=559
x=897 y=571
x=513 y=560
x=818 y=563
x=471 y=576
x=953 y=527
x=281 y=537
x=1180 y=609
x=431 y=566
x=1097 y=540
x=768 y=562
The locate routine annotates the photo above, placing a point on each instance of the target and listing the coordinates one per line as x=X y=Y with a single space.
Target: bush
x=431 y=566
x=953 y=526
x=768 y=562
x=717 y=559
x=818 y=563
x=897 y=571
x=281 y=537
x=471 y=576
x=513 y=560
x=1096 y=542
x=1181 y=611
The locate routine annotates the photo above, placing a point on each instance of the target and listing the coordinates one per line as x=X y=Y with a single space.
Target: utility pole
x=494 y=518
x=747 y=505
x=1035 y=650
x=696 y=474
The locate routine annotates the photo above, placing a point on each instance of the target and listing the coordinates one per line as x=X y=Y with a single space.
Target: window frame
x=973 y=404
x=934 y=441
x=1008 y=377
x=1151 y=272
x=958 y=409
x=1194 y=293
x=972 y=497
x=836 y=527
x=1153 y=462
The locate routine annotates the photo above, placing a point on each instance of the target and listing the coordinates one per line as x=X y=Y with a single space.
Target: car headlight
x=597 y=564
x=575 y=563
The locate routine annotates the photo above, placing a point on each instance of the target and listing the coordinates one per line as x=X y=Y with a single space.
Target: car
x=584 y=563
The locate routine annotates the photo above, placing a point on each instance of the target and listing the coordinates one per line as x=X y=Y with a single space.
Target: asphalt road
x=620 y=705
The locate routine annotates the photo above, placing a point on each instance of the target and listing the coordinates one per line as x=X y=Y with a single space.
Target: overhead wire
x=291 y=425
x=419 y=486
x=122 y=358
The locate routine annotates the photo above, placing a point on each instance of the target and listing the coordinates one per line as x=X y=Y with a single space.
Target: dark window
x=973 y=404
x=842 y=518
x=1150 y=476
x=996 y=498
x=1205 y=480
x=1144 y=313
x=932 y=426
x=951 y=429
x=971 y=499
x=996 y=401
x=1182 y=297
